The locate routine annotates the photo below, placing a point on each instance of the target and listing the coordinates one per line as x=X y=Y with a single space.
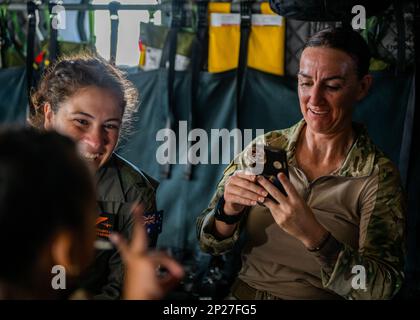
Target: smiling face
x=328 y=89
x=92 y=117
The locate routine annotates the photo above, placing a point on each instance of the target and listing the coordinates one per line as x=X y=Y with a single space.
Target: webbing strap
x=30 y=7
x=198 y=54
x=168 y=56
x=113 y=15
x=245 y=11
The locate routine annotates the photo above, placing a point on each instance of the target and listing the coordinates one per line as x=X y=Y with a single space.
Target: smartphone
x=275 y=161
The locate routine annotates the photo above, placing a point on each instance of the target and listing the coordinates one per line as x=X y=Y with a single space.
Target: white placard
x=154 y=55
x=152 y=59
x=266 y=20
x=224 y=19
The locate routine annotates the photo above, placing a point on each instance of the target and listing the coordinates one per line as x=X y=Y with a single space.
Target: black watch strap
x=222 y=216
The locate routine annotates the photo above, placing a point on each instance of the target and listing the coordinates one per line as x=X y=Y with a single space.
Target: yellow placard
x=266 y=42
x=219 y=7
x=224 y=37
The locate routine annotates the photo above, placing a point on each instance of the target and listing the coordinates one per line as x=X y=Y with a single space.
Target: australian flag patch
x=153 y=222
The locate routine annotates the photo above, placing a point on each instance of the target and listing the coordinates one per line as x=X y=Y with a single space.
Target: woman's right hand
x=242 y=190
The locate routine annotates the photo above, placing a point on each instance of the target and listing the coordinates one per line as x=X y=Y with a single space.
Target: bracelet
x=321 y=244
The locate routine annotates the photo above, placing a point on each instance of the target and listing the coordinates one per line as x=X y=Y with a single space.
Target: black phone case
x=275 y=161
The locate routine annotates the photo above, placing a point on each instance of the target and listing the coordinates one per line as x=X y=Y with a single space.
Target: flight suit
x=119 y=186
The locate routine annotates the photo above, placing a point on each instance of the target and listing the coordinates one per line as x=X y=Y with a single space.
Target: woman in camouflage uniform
x=339 y=231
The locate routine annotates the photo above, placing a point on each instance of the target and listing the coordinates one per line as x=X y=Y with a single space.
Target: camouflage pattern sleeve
x=375 y=269
x=205 y=222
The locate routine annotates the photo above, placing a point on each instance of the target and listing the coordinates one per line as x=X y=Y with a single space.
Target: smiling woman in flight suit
x=89 y=100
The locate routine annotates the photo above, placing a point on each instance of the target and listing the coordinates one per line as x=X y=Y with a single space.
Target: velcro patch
x=104 y=225
x=153 y=221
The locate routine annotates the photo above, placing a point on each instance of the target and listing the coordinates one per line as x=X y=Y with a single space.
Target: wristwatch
x=222 y=216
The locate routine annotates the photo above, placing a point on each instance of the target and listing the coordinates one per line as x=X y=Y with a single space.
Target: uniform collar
x=109 y=182
x=360 y=159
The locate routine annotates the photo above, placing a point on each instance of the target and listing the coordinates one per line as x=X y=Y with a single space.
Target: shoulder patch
x=104 y=225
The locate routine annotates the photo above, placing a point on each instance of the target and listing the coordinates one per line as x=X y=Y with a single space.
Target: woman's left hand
x=291 y=213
